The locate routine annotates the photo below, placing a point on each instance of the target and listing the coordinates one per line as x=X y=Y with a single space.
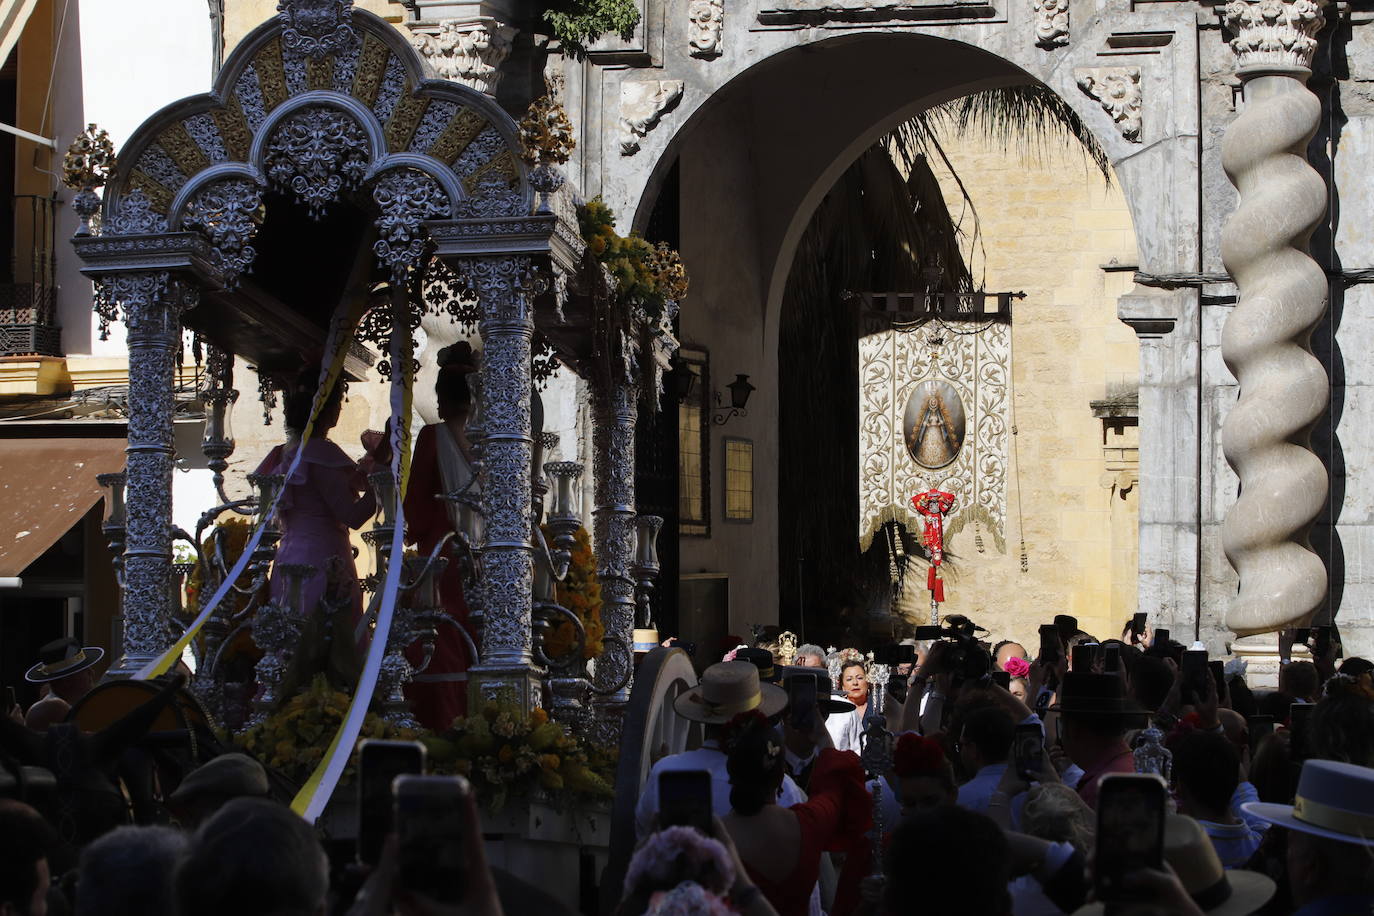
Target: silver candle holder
x=277 y=631
x=646 y=566
x=875 y=753
x=564 y=518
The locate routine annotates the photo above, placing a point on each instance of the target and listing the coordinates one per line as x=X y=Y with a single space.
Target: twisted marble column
x=1266 y=341
x=152 y=304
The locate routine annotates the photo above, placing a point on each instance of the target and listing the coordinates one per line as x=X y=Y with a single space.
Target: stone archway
x=806 y=112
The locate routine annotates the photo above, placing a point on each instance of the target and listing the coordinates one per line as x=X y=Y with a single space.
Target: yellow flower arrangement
x=505 y=753
x=294 y=738
x=234 y=533
x=645 y=274
x=579 y=592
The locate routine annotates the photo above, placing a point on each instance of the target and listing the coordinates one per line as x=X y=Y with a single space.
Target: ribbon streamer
x=340 y=332
x=311 y=800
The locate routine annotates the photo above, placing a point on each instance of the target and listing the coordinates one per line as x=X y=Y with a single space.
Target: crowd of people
x=1115 y=780
x=1125 y=775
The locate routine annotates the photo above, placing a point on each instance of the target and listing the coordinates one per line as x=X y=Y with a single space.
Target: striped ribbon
x=310 y=801
x=341 y=326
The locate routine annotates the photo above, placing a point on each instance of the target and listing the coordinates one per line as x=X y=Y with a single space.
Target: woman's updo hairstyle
x=299 y=396
x=456 y=362
x=754 y=763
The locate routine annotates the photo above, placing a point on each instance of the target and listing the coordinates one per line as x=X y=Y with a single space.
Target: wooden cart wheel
x=651 y=731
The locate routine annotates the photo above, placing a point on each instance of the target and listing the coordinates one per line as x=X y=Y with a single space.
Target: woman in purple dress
x=320 y=501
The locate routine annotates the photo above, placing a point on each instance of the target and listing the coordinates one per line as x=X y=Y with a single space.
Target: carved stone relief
x=707 y=18
x=467 y=51
x=972 y=369
x=1274 y=33
x=642 y=104
x=1117 y=90
x=1051 y=22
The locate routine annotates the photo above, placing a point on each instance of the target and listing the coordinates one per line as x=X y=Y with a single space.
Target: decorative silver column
x=152 y=304
x=507 y=328
x=615 y=409
x=1266 y=340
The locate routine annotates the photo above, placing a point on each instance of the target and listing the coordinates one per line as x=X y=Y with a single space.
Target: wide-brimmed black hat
x=828 y=703
x=761 y=659
x=63 y=658
x=1100 y=696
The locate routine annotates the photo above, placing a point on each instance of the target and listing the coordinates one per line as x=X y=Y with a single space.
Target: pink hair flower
x=1016 y=667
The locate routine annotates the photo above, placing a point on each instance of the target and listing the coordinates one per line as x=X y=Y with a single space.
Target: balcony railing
x=28 y=301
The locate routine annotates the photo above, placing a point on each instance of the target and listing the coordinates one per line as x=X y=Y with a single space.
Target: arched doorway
x=754 y=160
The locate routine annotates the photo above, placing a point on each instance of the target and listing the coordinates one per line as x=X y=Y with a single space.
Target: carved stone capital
x=1117 y=90
x=1274 y=34
x=467 y=51
x=706 y=20
x=642 y=104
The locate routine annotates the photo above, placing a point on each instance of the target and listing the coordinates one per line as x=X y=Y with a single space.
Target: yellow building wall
x=243 y=16
x=1049 y=226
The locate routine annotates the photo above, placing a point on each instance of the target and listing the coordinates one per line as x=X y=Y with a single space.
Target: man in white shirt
x=726 y=690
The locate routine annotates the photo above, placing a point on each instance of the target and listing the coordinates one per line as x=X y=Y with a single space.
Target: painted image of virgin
x=934 y=424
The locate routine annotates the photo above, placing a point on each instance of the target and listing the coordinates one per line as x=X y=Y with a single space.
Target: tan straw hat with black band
x=726 y=690
x=63 y=658
x=1216 y=891
x=1335 y=800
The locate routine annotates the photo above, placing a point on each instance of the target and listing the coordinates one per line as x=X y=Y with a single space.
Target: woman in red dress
x=442 y=464
x=781 y=847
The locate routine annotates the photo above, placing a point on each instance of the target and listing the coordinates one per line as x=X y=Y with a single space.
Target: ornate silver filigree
x=227 y=212
x=406 y=197
x=152 y=304
x=315 y=154
x=706 y=23
x=1117 y=90
x=468 y=51
x=492 y=198
x=134 y=215
x=316 y=28
x=615 y=408
x=205 y=132
x=507 y=326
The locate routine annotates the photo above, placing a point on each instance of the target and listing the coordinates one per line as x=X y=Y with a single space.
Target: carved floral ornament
x=89 y=161
x=316 y=28
x=707 y=24
x=467 y=51
x=316 y=153
x=1117 y=90
x=228 y=212
x=1274 y=33
x=1051 y=22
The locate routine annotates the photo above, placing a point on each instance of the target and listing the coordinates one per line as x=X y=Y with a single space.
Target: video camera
x=968 y=660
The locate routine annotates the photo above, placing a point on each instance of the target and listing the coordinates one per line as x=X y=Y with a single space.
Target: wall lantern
x=740 y=389
x=682 y=381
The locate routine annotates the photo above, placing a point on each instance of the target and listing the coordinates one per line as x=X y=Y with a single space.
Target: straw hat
x=1190 y=853
x=726 y=690
x=63 y=658
x=1335 y=800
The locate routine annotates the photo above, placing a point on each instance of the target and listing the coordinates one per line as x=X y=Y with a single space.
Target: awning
x=46 y=487
x=14 y=15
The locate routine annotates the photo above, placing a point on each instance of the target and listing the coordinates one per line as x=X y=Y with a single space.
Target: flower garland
x=293 y=739
x=579 y=592
x=233 y=534
x=646 y=275
x=504 y=753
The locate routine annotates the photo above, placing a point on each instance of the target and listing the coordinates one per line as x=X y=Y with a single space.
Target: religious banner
x=933 y=415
